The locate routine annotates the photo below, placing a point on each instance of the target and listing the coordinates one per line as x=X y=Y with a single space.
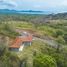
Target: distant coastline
x=23 y=11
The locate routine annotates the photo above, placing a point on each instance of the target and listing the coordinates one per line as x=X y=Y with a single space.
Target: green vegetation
x=40 y=53
x=44 y=61
x=7 y=30
x=8 y=60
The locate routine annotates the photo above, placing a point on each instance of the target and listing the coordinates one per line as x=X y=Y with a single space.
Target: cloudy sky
x=45 y=5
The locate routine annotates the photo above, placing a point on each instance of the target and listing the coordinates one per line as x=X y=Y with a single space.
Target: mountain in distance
x=30 y=11
x=7 y=11
x=23 y=11
x=35 y=12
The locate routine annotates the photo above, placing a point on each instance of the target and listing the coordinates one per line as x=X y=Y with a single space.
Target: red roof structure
x=19 y=40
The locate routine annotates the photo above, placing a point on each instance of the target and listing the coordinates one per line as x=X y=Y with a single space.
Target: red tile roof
x=20 y=40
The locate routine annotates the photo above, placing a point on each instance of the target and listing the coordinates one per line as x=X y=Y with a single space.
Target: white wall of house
x=21 y=47
x=30 y=43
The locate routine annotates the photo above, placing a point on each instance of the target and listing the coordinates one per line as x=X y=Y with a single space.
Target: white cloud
x=64 y=3
x=7 y=3
x=35 y=4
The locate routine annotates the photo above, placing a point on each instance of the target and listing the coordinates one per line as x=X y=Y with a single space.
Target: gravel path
x=49 y=42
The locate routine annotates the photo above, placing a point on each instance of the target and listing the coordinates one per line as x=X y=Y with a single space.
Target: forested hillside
x=49 y=47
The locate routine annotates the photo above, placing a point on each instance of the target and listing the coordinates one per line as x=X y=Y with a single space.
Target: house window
x=27 y=43
x=14 y=49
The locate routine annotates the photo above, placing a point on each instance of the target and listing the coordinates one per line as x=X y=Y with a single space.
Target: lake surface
x=34 y=12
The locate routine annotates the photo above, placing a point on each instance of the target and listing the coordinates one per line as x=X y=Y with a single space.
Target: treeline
x=32 y=18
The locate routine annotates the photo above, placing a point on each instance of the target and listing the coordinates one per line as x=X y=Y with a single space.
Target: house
x=24 y=40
